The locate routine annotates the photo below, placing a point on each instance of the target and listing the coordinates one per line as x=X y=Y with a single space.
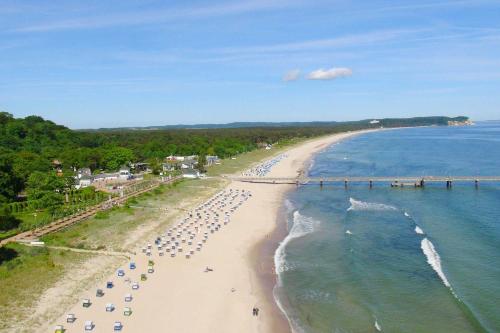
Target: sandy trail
x=180 y=297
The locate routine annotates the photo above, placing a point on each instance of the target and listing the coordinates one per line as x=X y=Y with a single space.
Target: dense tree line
x=29 y=146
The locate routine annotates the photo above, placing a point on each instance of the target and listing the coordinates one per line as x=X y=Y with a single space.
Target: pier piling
x=345 y=183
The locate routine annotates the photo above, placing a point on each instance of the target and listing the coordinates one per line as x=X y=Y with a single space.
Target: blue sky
x=88 y=64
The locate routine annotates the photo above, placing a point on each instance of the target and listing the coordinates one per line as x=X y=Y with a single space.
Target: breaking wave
x=302 y=225
x=434 y=260
x=419 y=230
x=368 y=206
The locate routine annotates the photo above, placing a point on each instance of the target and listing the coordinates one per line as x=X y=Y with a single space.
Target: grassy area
x=7 y=234
x=25 y=273
x=245 y=160
x=111 y=229
x=32 y=220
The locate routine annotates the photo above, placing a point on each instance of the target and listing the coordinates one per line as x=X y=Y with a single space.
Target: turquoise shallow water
x=397 y=260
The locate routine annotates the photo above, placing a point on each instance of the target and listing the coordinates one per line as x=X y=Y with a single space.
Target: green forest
x=29 y=146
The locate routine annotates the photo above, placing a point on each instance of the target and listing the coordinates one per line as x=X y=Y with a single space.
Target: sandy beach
x=180 y=296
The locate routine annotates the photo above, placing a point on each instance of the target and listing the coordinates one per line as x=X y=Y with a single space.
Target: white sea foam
x=434 y=260
x=302 y=225
x=377 y=326
x=361 y=205
x=407 y=215
x=348 y=232
x=418 y=230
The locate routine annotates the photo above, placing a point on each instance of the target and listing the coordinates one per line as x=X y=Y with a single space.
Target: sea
x=396 y=259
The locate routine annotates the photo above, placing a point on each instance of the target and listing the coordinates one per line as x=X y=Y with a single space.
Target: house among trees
x=83 y=172
x=83 y=181
x=180 y=163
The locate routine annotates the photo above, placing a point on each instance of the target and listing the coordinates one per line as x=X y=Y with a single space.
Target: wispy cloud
x=326 y=43
x=159 y=15
x=329 y=74
x=292 y=75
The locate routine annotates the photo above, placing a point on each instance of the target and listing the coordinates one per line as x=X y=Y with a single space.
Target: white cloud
x=292 y=75
x=329 y=74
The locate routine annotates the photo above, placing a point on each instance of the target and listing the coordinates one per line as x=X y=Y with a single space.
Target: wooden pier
x=393 y=181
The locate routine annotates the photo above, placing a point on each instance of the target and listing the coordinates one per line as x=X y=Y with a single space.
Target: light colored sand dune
x=180 y=297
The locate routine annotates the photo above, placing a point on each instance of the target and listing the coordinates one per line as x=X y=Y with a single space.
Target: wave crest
x=434 y=260
x=302 y=225
x=357 y=205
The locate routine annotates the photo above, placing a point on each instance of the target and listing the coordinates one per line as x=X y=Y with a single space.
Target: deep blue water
x=353 y=261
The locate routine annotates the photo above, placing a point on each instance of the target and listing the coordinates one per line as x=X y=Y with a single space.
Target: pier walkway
x=394 y=181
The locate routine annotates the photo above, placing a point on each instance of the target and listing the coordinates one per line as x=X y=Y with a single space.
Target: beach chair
x=109 y=284
x=59 y=329
x=86 y=303
x=144 y=277
x=110 y=307
x=131 y=265
x=70 y=318
x=127 y=311
x=151 y=263
x=150 y=269
x=89 y=325
x=135 y=286
x=120 y=272
x=128 y=298
x=99 y=293
x=117 y=326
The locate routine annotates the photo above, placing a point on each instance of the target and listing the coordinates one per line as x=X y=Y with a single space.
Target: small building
x=189 y=164
x=106 y=177
x=83 y=172
x=124 y=173
x=141 y=167
x=84 y=181
x=190 y=173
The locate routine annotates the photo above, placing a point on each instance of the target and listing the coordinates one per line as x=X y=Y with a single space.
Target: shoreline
x=182 y=297
x=270 y=244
